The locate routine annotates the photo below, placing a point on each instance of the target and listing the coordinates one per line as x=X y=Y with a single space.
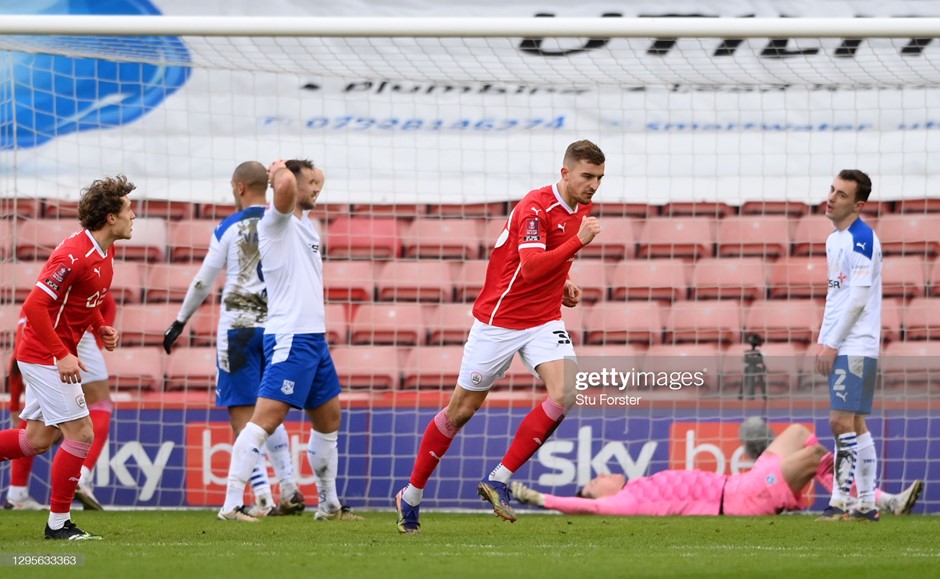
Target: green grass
x=172 y=544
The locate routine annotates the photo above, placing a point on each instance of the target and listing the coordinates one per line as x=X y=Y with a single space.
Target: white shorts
x=489 y=351
x=90 y=355
x=48 y=398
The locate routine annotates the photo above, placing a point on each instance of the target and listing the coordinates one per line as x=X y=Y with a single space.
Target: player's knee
x=842 y=424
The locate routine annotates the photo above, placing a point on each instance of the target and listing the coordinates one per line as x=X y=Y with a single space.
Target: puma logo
x=97 y=270
x=74 y=259
x=538 y=441
x=434 y=454
x=862 y=245
x=842 y=395
x=562 y=226
x=536 y=211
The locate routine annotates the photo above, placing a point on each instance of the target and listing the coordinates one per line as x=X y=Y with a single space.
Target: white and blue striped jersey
x=854 y=260
x=234 y=248
x=292 y=271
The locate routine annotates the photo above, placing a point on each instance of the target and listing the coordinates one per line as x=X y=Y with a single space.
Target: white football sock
x=245 y=454
x=324 y=460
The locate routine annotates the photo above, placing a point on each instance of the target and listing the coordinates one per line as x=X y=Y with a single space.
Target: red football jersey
x=77 y=277
x=540 y=222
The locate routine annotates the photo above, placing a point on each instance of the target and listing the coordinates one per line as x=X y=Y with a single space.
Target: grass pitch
x=172 y=544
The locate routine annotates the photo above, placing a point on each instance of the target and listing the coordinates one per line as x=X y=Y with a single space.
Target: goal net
x=722 y=138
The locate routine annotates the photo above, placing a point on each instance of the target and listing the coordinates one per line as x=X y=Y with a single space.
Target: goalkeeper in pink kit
x=774 y=485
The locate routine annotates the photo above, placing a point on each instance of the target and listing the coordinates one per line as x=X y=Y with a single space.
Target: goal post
x=722 y=137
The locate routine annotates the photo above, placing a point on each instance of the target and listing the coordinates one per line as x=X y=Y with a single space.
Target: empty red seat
x=337 y=326
x=363 y=238
x=784 y=320
x=60 y=209
x=136 y=368
x=614 y=209
x=922 y=319
x=468 y=278
x=389 y=324
x=925 y=205
x=715 y=209
x=9 y=323
x=518 y=378
x=910 y=366
x=367 y=367
x=809 y=237
x=189 y=239
x=144 y=324
x=448 y=324
x=165 y=209
x=690 y=364
x=433 y=367
x=348 y=280
x=327 y=212
x=18 y=279
x=751 y=235
x=36 y=238
x=890 y=320
x=729 y=278
x=204 y=325
x=20 y=207
x=871 y=210
x=169 y=283
x=191 y=369
x=591 y=277
x=442 y=238
x=414 y=281
x=788 y=208
x=903 y=277
x=799 y=277
x=4 y=367
x=697 y=322
x=127 y=285
x=629 y=323
x=7 y=227
x=215 y=211
x=644 y=279
x=910 y=234
x=399 y=210
x=617 y=240
x=933 y=278
x=491 y=232
x=148 y=242
x=573 y=319
x=691 y=237
x=485 y=210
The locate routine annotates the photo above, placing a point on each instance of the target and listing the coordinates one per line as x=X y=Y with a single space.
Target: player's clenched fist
x=590 y=227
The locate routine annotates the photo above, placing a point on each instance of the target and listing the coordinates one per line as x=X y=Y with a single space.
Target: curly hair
x=101 y=198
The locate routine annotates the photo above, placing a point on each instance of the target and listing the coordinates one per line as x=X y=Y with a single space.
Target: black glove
x=171 y=334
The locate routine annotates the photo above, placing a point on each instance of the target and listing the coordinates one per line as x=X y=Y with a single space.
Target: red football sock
x=14 y=444
x=435 y=442
x=100 y=413
x=66 y=468
x=20 y=468
x=535 y=429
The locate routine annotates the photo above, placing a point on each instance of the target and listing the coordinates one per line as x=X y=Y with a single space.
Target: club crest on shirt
x=288 y=387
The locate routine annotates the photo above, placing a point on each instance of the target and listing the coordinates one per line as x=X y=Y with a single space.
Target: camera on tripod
x=755 y=370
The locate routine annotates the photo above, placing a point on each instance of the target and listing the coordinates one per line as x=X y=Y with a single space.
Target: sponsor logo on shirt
x=51 y=284
x=532 y=229
x=61 y=273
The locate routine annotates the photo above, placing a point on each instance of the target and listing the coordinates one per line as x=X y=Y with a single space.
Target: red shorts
x=760 y=491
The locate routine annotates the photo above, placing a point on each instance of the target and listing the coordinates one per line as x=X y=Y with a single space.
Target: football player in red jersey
x=64 y=303
x=519 y=310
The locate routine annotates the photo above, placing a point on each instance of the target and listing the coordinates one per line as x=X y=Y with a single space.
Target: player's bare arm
x=285 y=187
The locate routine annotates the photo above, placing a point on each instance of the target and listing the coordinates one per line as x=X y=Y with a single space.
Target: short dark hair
x=861 y=180
x=298 y=165
x=102 y=198
x=584 y=151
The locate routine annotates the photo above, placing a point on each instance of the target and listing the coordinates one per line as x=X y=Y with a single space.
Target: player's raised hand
x=109 y=337
x=274 y=168
x=590 y=227
x=526 y=495
x=70 y=369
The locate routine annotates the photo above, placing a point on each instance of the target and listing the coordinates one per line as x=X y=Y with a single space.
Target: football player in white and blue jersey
x=299 y=371
x=850 y=340
x=240 y=358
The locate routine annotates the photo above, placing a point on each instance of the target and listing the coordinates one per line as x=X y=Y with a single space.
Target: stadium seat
x=786 y=365
x=327 y=212
x=742 y=278
x=164 y=209
x=60 y=209
x=432 y=367
x=203 y=326
x=25 y=207
x=933 y=278
x=890 y=320
x=18 y=279
x=4 y=368
x=9 y=323
x=468 y=279
x=148 y=243
x=134 y=369
x=910 y=234
x=348 y=280
x=618 y=240
x=414 y=281
x=871 y=210
x=767 y=237
x=144 y=324
x=36 y=238
x=401 y=211
x=784 y=320
x=190 y=369
x=387 y=324
x=903 y=277
x=922 y=319
x=640 y=210
x=714 y=209
x=629 y=323
x=591 y=277
x=799 y=277
x=448 y=324
x=215 y=211
x=442 y=238
x=337 y=325
x=170 y=282
x=574 y=322
x=926 y=205
x=518 y=378
x=127 y=285
x=910 y=366
x=705 y=359
x=189 y=239
x=649 y=279
x=364 y=238
x=691 y=237
x=7 y=227
x=792 y=209
x=492 y=228
x=367 y=367
x=809 y=237
x=698 y=322
x=475 y=210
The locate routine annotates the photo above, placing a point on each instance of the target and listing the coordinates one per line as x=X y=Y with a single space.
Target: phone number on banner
x=359 y=123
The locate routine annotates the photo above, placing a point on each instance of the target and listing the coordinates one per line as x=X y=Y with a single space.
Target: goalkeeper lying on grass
x=773 y=486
